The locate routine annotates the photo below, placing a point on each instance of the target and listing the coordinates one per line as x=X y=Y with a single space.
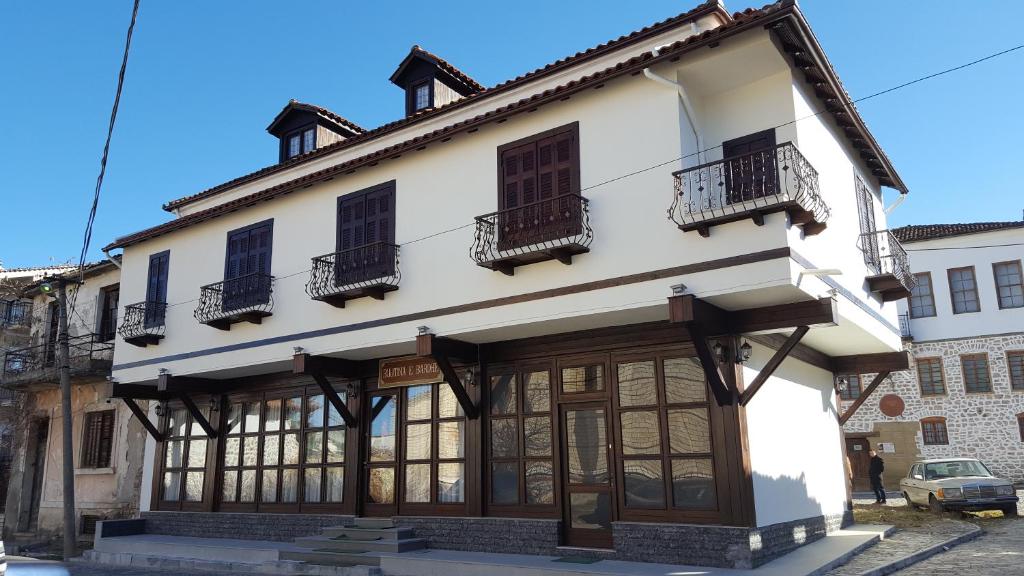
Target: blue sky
x=205 y=79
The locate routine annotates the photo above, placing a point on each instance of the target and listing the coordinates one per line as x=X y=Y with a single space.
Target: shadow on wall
x=788 y=497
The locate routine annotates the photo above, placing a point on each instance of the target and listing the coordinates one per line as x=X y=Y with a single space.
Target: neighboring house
x=108 y=448
x=964 y=326
x=550 y=361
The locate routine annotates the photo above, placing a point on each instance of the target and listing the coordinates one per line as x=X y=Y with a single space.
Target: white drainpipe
x=687 y=105
x=895 y=204
x=111 y=258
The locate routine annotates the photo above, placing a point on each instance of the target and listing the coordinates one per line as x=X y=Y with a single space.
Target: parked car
x=957 y=484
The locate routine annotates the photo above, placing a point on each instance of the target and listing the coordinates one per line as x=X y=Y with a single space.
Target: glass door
x=382 y=455
x=586 y=475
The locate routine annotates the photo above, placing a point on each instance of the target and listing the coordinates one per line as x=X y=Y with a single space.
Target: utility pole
x=64 y=361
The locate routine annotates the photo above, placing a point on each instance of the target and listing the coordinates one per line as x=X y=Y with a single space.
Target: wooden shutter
x=97 y=439
x=156 y=288
x=866 y=215
x=248 y=253
x=749 y=167
x=366 y=222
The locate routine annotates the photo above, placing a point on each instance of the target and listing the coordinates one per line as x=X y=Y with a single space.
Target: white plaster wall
x=794 y=439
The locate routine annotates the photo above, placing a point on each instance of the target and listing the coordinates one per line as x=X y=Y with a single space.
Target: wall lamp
x=742 y=353
x=841 y=384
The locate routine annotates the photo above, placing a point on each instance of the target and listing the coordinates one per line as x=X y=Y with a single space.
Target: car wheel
x=934 y=505
x=1010 y=511
x=910 y=503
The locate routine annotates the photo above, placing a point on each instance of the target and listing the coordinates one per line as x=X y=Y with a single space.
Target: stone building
x=964 y=326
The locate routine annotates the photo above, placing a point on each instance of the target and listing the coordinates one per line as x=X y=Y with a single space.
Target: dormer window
x=430 y=82
x=303 y=128
x=301 y=142
x=421 y=97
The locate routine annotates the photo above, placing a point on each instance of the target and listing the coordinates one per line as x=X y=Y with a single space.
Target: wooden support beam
x=716 y=381
x=143 y=419
x=800 y=352
x=688 y=308
x=429 y=345
x=764 y=320
x=455 y=383
x=137 y=392
x=863 y=397
x=773 y=364
x=326 y=365
x=175 y=385
x=871 y=363
x=197 y=416
x=335 y=400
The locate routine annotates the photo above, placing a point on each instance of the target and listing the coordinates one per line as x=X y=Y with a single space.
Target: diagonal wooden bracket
x=863 y=397
x=723 y=394
x=143 y=419
x=773 y=364
x=335 y=400
x=440 y=349
x=197 y=416
x=378 y=407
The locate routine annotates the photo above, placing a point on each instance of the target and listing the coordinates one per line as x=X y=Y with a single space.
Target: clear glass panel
x=505 y=483
x=447 y=404
x=382 y=486
x=197 y=453
x=175 y=452
x=537 y=394
x=645 y=483
x=308 y=139
x=172 y=486
x=382 y=431
x=693 y=484
x=689 y=431
x=294 y=146
x=293 y=413
x=194 y=486
x=333 y=416
x=684 y=381
x=290 y=453
x=269 y=491
x=336 y=446
x=176 y=422
x=590 y=510
x=537 y=435
x=249 y=450
x=503 y=394
x=271 y=450
x=503 y=438
x=196 y=429
x=335 y=484
x=252 y=417
x=583 y=379
x=450 y=482
x=587 y=440
x=315 y=411
x=247 y=491
x=235 y=418
x=419 y=397
x=273 y=423
x=311 y=486
x=637 y=384
x=289 y=485
x=540 y=487
x=417 y=483
x=451 y=440
x=232 y=451
x=417 y=441
x=640 y=433
x=229 y=487
x=314 y=447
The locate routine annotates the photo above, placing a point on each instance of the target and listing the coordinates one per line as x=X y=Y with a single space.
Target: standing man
x=875 y=470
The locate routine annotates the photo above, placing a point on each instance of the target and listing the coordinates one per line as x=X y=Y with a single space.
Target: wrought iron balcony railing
x=749 y=186
x=248 y=298
x=15 y=313
x=888 y=263
x=905 y=326
x=370 y=270
x=143 y=323
x=86 y=354
x=551 y=229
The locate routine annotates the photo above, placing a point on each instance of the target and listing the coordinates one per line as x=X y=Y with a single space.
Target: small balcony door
x=750 y=167
x=587 y=479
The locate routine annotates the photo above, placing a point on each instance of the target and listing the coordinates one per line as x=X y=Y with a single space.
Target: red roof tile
x=922 y=232
x=441 y=63
x=318 y=110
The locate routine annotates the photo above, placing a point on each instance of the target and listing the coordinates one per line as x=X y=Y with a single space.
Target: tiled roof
x=922 y=232
x=318 y=110
x=442 y=64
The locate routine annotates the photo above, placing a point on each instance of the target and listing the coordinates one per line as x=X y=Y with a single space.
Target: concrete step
x=368 y=522
x=332 y=558
x=346 y=545
x=354 y=533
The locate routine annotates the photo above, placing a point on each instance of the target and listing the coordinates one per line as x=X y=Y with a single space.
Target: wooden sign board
x=408 y=371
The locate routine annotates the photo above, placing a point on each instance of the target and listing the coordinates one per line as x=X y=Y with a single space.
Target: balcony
x=905 y=326
x=370 y=270
x=143 y=323
x=552 y=229
x=15 y=314
x=248 y=298
x=88 y=356
x=888 y=264
x=749 y=186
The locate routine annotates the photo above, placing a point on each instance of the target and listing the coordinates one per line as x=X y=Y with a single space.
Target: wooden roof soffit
x=319 y=368
x=442 y=350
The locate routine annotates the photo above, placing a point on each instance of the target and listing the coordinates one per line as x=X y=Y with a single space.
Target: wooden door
x=749 y=166
x=587 y=479
x=857 y=451
x=156 y=289
x=381 y=482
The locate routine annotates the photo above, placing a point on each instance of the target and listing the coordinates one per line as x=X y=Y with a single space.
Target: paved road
x=998 y=552
x=39 y=568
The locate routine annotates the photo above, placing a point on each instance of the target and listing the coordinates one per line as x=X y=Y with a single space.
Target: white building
x=576 y=403
x=964 y=323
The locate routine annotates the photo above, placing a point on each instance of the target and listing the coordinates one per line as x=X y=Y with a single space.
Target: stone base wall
x=277 y=527
x=509 y=535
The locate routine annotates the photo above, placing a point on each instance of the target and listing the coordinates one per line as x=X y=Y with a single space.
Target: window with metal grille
x=97 y=439
x=1015 y=366
x=1009 y=284
x=963 y=290
x=929 y=376
x=933 y=430
x=922 y=299
x=89 y=523
x=975 y=371
x=853 y=387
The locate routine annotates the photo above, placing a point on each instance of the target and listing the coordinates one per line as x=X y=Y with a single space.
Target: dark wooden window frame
x=98 y=439
x=1016 y=380
x=411 y=95
x=942 y=376
x=934 y=431
x=107 y=329
x=155 y=317
x=348 y=197
x=1020 y=425
x=192 y=433
x=573 y=127
x=931 y=297
x=849 y=394
x=952 y=293
x=434 y=506
x=300 y=132
x=741 y=189
x=988 y=372
x=995 y=279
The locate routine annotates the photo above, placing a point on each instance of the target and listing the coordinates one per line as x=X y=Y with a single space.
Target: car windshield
x=955 y=469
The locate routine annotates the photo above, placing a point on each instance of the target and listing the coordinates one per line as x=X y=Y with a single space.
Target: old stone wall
x=979 y=425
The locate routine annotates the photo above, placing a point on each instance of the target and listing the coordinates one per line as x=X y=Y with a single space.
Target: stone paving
x=903 y=543
x=998 y=552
